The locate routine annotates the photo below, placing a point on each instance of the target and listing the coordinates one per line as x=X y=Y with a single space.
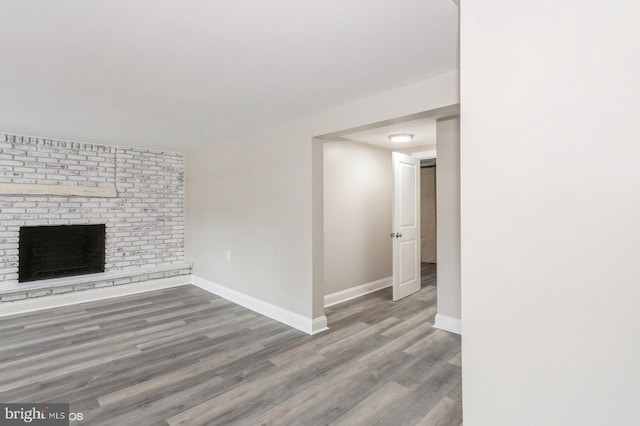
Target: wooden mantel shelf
x=65 y=190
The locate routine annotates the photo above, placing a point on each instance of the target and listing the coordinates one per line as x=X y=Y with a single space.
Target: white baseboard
x=300 y=322
x=319 y=325
x=353 y=292
x=453 y=325
x=58 y=300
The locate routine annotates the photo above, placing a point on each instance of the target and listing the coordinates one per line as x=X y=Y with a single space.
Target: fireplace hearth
x=60 y=251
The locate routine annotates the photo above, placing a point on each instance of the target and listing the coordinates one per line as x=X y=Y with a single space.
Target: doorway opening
x=353 y=207
x=428 y=222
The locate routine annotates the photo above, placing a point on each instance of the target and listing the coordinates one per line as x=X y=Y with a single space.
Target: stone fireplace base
x=11 y=291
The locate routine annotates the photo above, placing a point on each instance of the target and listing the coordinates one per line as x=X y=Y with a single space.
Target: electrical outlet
x=228 y=254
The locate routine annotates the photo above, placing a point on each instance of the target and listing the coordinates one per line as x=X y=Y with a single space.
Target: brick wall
x=144 y=223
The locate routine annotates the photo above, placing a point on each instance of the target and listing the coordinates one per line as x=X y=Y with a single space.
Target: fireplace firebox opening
x=60 y=251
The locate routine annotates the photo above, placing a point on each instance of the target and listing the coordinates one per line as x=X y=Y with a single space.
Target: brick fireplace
x=136 y=195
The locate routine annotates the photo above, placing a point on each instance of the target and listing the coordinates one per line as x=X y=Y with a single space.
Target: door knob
x=399 y=235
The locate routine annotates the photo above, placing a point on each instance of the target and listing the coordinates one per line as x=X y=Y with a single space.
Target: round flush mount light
x=401 y=137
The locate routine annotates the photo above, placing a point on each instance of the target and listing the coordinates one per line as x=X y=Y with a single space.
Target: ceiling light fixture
x=401 y=137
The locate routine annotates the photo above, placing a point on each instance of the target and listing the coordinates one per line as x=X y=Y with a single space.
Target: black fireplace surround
x=60 y=251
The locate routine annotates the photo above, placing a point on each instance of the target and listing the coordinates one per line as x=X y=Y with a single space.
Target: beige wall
x=428 y=214
x=358 y=189
x=260 y=196
x=448 y=214
x=251 y=198
x=550 y=212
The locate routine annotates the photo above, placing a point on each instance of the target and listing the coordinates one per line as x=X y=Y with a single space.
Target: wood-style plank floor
x=185 y=357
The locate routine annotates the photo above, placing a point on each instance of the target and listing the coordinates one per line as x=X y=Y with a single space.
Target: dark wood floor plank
x=416 y=405
x=369 y=409
x=182 y=356
x=112 y=342
x=237 y=396
x=447 y=412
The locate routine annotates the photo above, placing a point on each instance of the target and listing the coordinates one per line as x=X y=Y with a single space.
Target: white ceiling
x=178 y=74
x=423 y=131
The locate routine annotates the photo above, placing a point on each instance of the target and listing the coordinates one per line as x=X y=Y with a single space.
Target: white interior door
x=406 y=225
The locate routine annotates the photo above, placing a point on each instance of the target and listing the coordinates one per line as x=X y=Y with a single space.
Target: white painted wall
x=260 y=196
x=358 y=194
x=550 y=212
x=448 y=215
